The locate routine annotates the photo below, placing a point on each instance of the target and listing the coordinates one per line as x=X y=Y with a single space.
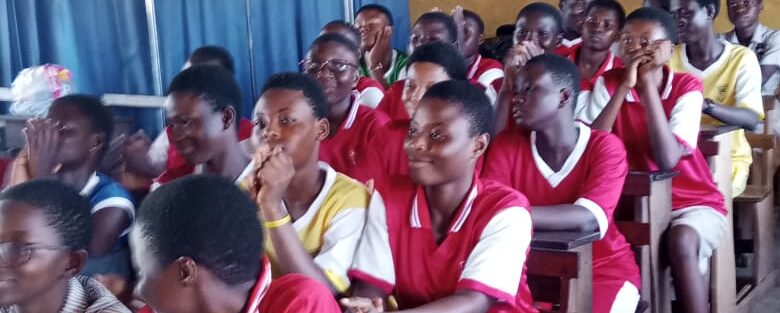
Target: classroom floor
x=771 y=302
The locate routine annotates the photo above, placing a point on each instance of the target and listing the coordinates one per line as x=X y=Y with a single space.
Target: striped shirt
x=84 y=295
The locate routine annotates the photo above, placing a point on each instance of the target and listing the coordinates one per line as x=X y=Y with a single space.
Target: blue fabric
x=401 y=22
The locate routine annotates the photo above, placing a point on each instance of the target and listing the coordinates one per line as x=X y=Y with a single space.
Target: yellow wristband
x=275 y=224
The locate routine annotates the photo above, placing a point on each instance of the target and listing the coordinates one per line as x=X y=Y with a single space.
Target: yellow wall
x=499 y=12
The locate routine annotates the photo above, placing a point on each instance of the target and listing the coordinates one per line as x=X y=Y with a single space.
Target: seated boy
x=378 y=58
x=487 y=72
x=369 y=90
x=45 y=231
x=538 y=30
x=69 y=146
x=198 y=247
x=314 y=214
x=574 y=15
x=731 y=77
x=333 y=61
x=573 y=176
x=593 y=57
x=655 y=112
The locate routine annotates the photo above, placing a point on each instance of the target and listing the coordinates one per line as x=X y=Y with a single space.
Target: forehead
x=538 y=74
x=440 y=111
x=676 y=4
x=603 y=12
x=645 y=28
x=20 y=220
x=425 y=69
x=277 y=99
x=332 y=49
x=535 y=20
x=370 y=15
x=65 y=110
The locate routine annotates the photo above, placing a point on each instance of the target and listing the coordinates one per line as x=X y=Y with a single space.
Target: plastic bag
x=35 y=88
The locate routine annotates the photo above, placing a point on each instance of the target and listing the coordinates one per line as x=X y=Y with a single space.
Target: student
x=433 y=26
x=487 y=72
x=370 y=91
x=538 y=30
x=45 y=231
x=573 y=176
x=603 y=23
x=655 y=112
x=574 y=13
x=430 y=64
x=379 y=60
x=203 y=110
x=444 y=240
x=186 y=267
x=317 y=213
x=731 y=77
x=159 y=160
x=69 y=146
x=332 y=60
x=762 y=40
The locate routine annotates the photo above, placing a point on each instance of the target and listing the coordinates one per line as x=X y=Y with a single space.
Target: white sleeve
x=748 y=89
x=374 y=256
x=488 y=77
x=686 y=117
x=772 y=54
x=158 y=151
x=371 y=97
x=583 y=98
x=121 y=203
x=597 y=101
x=339 y=244
x=598 y=213
x=497 y=261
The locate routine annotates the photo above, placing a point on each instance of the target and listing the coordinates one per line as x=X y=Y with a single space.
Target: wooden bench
x=560 y=270
x=715 y=143
x=643 y=216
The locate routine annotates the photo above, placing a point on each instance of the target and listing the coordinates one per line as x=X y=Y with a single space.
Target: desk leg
x=659 y=208
x=581 y=288
x=723 y=285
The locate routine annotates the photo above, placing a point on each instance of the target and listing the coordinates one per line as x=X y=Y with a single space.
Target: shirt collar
x=90 y=186
x=260 y=289
x=420 y=214
x=474 y=67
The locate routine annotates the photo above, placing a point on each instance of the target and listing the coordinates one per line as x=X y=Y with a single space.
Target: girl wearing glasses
x=333 y=62
x=45 y=229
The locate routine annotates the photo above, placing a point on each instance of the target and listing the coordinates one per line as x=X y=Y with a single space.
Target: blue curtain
x=104 y=43
x=401 y=22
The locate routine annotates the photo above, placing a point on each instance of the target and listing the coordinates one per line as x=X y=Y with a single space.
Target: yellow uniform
x=733 y=80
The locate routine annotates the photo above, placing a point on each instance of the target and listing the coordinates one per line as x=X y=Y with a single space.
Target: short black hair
x=208 y=219
x=378 y=7
x=65 y=210
x=337 y=39
x=715 y=3
x=353 y=32
x=213 y=83
x=545 y=9
x=213 y=53
x=300 y=82
x=657 y=15
x=100 y=117
x=443 y=18
x=468 y=14
x=562 y=71
x=472 y=101
x=442 y=54
x=610 y=5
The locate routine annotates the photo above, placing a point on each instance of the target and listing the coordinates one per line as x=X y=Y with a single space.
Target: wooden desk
x=715 y=143
x=643 y=216
x=560 y=270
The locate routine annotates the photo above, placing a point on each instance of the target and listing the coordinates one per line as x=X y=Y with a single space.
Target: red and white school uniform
x=352 y=139
x=291 y=293
x=682 y=100
x=392 y=105
x=370 y=91
x=592 y=177
x=486 y=72
x=484 y=251
x=566 y=46
x=586 y=84
x=387 y=156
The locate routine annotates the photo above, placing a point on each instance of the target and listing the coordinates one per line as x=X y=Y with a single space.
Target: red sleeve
x=391 y=104
x=500 y=161
x=295 y=293
x=606 y=174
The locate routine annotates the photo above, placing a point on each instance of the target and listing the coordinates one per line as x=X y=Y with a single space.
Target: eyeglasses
x=14 y=254
x=335 y=66
x=740 y=3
